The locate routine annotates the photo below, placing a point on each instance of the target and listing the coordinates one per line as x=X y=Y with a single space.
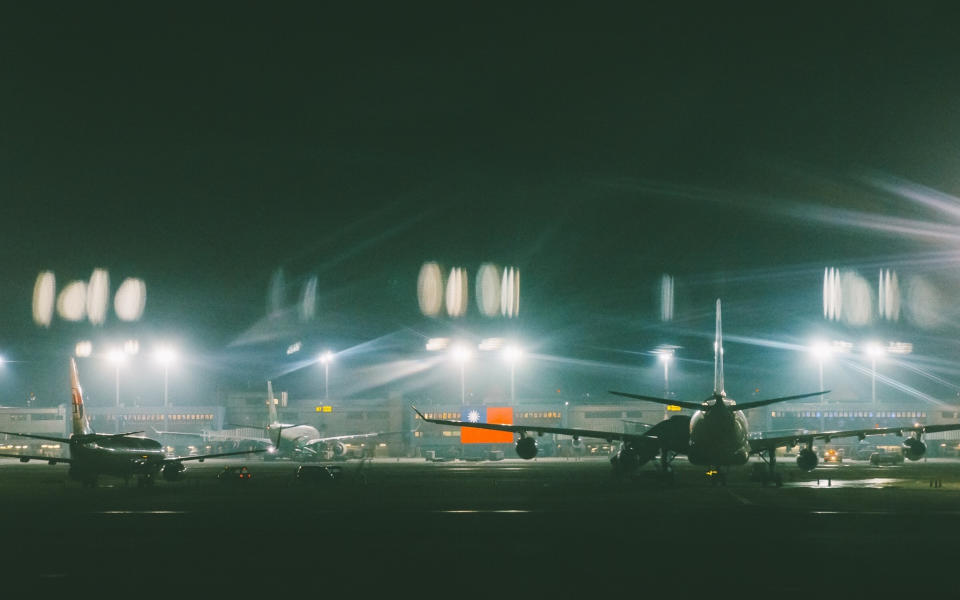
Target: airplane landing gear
x=770 y=474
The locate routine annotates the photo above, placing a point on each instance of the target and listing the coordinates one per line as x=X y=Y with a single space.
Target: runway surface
x=549 y=526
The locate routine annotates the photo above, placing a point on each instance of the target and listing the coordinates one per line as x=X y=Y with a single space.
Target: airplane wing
x=49 y=438
x=609 y=436
x=173 y=459
x=26 y=457
x=350 y=436
x=761 y=444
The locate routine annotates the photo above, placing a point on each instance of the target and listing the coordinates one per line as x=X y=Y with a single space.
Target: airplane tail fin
x=80 y=424
x=718 y=358
x=271 y=405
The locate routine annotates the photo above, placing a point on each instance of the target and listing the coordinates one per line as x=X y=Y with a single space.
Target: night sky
x=740 y=148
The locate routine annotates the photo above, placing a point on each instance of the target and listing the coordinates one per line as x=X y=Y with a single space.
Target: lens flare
x=44 y=295
x=430 y=289
x=488 y=289
x=130 y=300
x=457 y=292
x=98 y=296
x=72 y=301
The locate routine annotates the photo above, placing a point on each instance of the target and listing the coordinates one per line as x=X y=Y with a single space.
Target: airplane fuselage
x=718 y=437
x=120 y=457
x=293 y=438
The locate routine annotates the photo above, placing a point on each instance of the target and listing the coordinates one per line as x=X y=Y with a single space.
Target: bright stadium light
x=512 y=354
x=461 y=353
x=166 y=356
x=118 y=358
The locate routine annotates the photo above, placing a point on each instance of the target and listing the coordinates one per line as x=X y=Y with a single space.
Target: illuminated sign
x=673 y=408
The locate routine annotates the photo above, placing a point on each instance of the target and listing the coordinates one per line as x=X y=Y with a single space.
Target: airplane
x=294 y=441
x=716 y=436
x=123 y=455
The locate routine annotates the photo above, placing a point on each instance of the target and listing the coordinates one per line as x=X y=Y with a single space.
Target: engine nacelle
x=526 y=448
x=914 y=449
x=174 y=471
x=807 y=459
x=338 y=449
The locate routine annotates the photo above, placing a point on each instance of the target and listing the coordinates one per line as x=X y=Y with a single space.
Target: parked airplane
x=123 y=455
x=294 y=441
x=304 y=441
x=716 y=435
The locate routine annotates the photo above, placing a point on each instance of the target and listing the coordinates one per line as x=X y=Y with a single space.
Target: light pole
x=512 y=354
x=874 y=351
x=165 y=356
x=666 y=356
x=117 y=357
x=821 y=351
x=326 y=358
x=461 y=354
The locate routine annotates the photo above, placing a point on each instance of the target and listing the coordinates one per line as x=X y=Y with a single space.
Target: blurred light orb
x=857 y=299
x=924 y=303
x=72 y=301
x=308 y=300
x=131 y=347
x=666 y=298
x=510 y=293
x=430 y=289
x=832 y=294
x=83 y=349
x=488 y=289
x=888 y=295
x=130 y=300
x=294 y=348
x=276 y=293
x=44 y=297
x=457 y=292
x=98 y=296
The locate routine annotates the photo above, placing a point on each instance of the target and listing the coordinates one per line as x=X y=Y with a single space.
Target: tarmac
x=555 y=527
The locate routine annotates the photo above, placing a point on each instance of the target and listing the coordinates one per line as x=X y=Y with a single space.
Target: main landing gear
x=769 y=474
x=664 y=469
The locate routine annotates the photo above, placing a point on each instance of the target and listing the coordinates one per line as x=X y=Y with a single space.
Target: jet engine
x=526 y=448
x=807 y=459
x=629 y=458
x=914 y=449
x=338 y=449
x=174 y=471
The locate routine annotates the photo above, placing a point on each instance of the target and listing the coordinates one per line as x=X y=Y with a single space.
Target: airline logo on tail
x=80 y=425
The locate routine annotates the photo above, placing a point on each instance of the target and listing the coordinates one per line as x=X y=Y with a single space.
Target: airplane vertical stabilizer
x=718 y=358
x=80 y=424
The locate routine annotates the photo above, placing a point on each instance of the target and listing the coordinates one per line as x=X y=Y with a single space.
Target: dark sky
x=203 y=147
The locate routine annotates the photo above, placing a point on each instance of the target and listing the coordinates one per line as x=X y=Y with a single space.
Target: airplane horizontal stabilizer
x=757 y=403
x=690 y=405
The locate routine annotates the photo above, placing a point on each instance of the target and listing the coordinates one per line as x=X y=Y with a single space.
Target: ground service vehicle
x=237 y=473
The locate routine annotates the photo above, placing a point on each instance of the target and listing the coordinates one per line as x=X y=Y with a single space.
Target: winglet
x=420 y=414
